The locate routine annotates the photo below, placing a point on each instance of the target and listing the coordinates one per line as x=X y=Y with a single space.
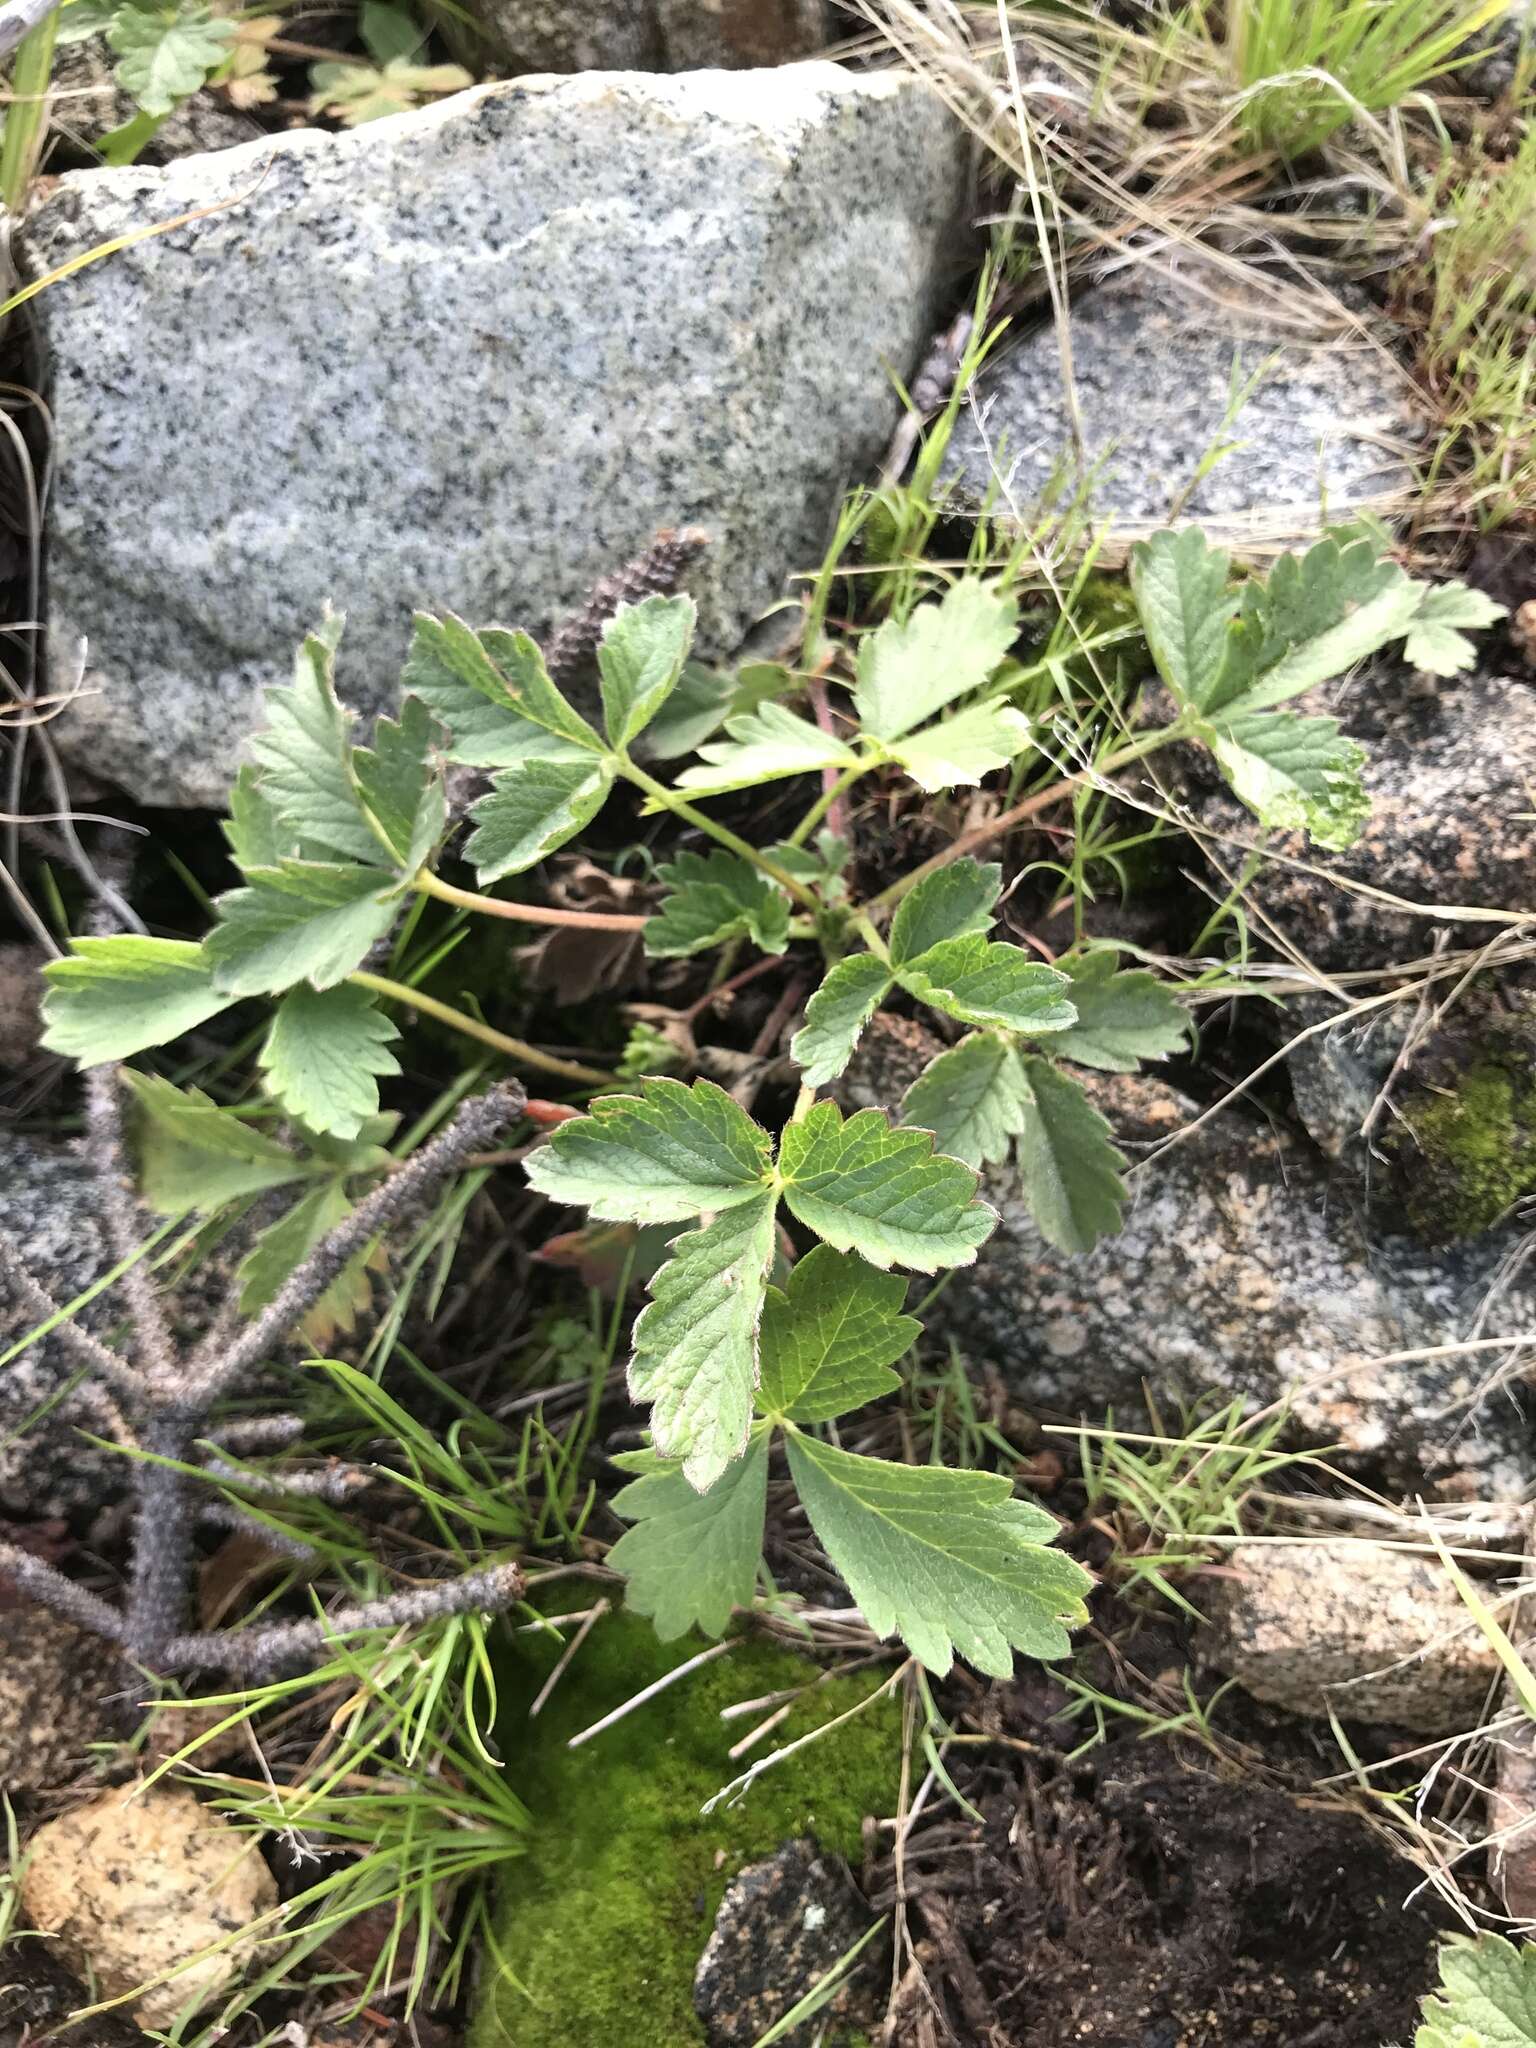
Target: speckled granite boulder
x=468 y=357
x=782 y=1924
x=1152 y=364
x=1375 y=1633
x=650 y=35
x=1243 y=1270
x=1449 y=771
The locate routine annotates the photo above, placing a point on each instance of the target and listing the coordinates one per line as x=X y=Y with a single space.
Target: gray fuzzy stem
x=162 y=1543
x=50 y=1588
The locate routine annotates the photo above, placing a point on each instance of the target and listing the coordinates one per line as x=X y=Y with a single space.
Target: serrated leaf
x=705 y=699
x=869 y=1186
x=532 y=810
x=831 y=1336
x=973 y=1098
x=1069 y=1165
x=988 y=981
x=910 y=668
x=657 y=1157
x=302 y=753
x=961 y=750
x=1435 y=641
x=1295 y=774
x=714 y=897
x=1302 y=598
x=835 y=1016
x=691 y=1559
x=308 y=921
x=166 y=53
x=948 y=904
x=323 y=1055
x=192 y=1154
x=113 y=997
x=1123 y=1017
x=764 y=746
x=1486 y=1996
x=696 y=1341
x=949 y=1561
x=639 y=661
x=257 y=835
x=1180 y=585
x=493 y=693
x=285 y=1244
x=398 y=784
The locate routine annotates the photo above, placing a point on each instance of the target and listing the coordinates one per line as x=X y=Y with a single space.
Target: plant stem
x=865 y=927
x=525 y=913
x=514 y=1048
x=826 y=800
x=721 y=833
x=1031 y=806
x=26 y=115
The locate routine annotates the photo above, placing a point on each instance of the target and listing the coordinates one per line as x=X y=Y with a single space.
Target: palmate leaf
x=1295 y=774
x=1124 y=1016
x=910 y=668
x=1303 y=597
x=836 y=1015
x=949 y=1561
x=951 y=903
x=195 y=1155
x=657 y=1157
x=695 y=1354
x=974 y=1098
x=302 y=754
x=987 y=981
x=868 y=1186
x=308 y=921
x=1435 y=641
x=532 y=810
x=493 y=693
x=1486 y=1997
x=1069 y=1165
x=959 y=751
x=691 y=1559
x=166 y=52
x=714 y=897
x=763 y=745
x=1180 y=584
x=705 y=699
x=323 y=1056
x=399 y=787
x=831 y=1336
x=639 y=661
x=113 y=997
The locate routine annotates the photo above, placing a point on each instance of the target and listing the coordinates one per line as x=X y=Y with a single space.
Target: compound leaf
x=112 y=997
x=532 y=809
x=166 y=52
x=831 y=1336
x=1434 y=641
x=869 y=1186
x=192 y=1154
x=910 y=668
x=1180 y=584
x=951 y=903
x=302 y=753
x=987 y=981
x=657 y=1157
x=973 y=1098
x=696 y=1341
x=962 y=749
x=835 y=1016
x=324 y=1054
x=1295 y=774
x=949 y=1561
x=639 y=661
x=1486 y=1996
x=299 y=921
x=1123 y=1017
x=400 y=789
x=713 y=897
x=691 y=1558
x=493 y=692
x=1069 y=1164
x=764 y=745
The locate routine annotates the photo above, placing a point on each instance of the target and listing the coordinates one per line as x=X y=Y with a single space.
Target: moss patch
x=1468 y=1152
x=602 y=1922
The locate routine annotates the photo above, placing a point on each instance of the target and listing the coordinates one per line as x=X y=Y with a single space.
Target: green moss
x=600 y=1925
x=1467 y=1153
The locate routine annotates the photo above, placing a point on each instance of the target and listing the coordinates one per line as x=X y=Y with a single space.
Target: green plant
x=394 y=82
x=338 y=842
x=1486 y=1997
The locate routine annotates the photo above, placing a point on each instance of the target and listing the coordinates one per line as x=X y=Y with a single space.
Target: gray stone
x=56 y=1685
x=1513 y=41
x=1371 y=1631
x=21 y=999
x=89 y=101
x=650 y=35
x=1242 y=1271
x=783 y=1923
x=470 y=357
x=1153 y=367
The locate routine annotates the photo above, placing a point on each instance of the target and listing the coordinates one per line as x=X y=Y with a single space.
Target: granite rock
x=1153 y=365
x=21 y=1003
x=137 y=1882
x=1244 y=1271
x=1375 y=1633
x=470 y=357
x=650 y=35
x=782 y=1924
x=55 y=1687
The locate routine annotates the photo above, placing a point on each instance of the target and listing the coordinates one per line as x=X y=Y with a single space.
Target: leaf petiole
x=429 y=884
x=471 y=1027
